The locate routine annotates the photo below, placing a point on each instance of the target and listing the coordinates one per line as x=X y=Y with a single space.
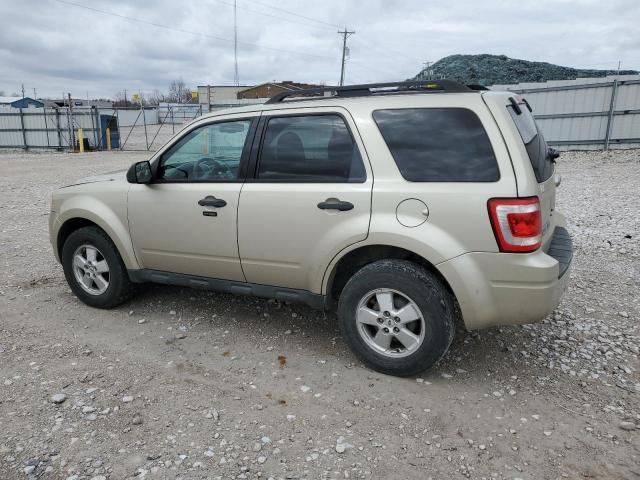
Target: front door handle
x=335 y=204
x=211 y=201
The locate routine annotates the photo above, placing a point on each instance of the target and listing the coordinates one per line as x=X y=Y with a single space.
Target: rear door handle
x=335 y=204
x=211 y=201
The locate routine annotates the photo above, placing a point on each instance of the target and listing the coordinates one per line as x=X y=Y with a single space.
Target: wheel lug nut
x=397 y=319
x=396 y=329
x=380 y=320
x=386 y=330
x=386 y=314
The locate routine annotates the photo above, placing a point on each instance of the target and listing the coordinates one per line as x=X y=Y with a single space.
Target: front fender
x=110 y=214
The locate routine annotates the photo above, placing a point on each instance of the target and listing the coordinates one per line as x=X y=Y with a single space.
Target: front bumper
x=510 y=288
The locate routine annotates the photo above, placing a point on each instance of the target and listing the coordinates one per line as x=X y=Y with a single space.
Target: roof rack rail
x=424 y=86
x=477 y=86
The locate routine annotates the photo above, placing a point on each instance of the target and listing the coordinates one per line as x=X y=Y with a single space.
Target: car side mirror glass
x=140 y=172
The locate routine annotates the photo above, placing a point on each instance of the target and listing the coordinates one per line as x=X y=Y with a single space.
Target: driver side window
x=208 y=153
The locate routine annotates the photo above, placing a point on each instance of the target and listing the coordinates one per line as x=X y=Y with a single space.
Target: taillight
x=517 y=223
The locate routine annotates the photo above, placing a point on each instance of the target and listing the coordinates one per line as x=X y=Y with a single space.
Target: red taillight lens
x=517 y=223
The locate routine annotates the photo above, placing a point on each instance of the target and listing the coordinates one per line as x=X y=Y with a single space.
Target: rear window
x=537 y=148
x=438 y=144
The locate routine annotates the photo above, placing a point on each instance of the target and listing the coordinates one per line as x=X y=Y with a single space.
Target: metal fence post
x=612 y=104
x=58 y=129
x=70 y=130
x=72 y=135
x=94 y=127
x=24 y=133
x=46 y=126
x=144 y=121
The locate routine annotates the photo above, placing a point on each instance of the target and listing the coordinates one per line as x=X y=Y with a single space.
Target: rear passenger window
x=311 y=148
x=438 y=144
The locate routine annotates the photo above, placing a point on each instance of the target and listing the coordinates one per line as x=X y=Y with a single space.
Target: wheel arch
x=114 y=229
x=357 y=258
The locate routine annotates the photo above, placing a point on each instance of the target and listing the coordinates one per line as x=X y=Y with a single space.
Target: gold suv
x=398 y=204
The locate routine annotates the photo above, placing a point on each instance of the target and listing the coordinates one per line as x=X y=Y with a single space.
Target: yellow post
x=108 y=139
x=80 y=141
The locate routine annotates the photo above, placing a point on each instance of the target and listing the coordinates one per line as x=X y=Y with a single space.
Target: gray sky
x=55 y=46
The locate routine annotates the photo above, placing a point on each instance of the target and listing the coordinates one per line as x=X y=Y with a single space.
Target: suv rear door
x=539 y=155
x=309 y=198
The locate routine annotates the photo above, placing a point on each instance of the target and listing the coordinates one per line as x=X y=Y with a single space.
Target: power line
x=393 y=54
x=307 y=24
x=189 y=32
x=332 y=25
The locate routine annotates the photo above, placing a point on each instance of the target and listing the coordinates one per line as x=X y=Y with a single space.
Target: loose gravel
x=191 y=384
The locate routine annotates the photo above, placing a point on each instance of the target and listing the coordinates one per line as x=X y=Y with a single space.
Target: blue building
x=19 y=102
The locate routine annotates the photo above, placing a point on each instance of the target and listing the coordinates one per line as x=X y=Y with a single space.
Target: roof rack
x=425 y=86
x=477 y=86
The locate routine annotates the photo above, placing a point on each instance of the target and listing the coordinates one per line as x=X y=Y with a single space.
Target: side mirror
x=140 y=172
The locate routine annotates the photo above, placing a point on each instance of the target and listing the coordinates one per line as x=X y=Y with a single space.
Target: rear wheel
x=397 y=317
x=94 y=270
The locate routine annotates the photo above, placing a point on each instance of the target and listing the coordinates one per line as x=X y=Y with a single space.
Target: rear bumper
x=510 y=288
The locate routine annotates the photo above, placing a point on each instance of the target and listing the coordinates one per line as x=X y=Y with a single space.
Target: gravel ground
x=190 y=384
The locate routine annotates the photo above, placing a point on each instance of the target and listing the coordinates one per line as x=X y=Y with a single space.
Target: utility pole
x=345 y=33
x=236 y=76
x=35 y=95
x=22 y=90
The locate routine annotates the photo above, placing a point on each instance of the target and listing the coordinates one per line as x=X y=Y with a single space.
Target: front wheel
x=94 y=270
x=397 y=317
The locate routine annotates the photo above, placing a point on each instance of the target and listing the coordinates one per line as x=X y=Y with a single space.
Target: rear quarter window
x=438 y=144
x=537 y=148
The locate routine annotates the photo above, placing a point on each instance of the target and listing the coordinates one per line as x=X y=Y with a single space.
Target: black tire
x=120 y=288
x=420 y=286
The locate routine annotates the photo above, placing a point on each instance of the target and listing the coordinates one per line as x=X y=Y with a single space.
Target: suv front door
x=309 y=198
x=185 y=221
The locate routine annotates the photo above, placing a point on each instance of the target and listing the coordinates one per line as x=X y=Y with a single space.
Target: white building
x=215 y=97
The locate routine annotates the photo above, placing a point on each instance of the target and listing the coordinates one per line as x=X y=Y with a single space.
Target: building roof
x=225 y=86
x=10 y=99
x=286 y=84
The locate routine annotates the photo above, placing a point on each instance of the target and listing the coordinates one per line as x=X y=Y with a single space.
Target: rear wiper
x=515 y=106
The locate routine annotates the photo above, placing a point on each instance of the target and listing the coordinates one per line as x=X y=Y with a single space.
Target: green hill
x=494 y=69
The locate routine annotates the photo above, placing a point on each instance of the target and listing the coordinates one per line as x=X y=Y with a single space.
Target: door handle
x=335 y=204
x=211 y=201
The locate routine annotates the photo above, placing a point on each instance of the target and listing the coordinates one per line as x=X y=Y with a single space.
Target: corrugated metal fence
x=586 y=113
x=57 y=128
x=54 y=128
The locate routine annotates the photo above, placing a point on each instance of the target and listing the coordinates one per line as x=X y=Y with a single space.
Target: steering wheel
x=209 y=168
